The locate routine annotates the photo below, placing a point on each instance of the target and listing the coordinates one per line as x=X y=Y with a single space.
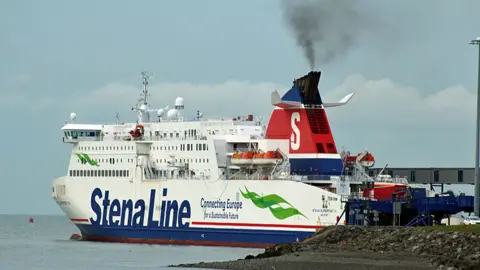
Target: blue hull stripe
x=316 y=166
x=192 y=236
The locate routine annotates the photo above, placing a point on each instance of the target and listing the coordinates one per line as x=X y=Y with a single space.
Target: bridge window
x=460 y=176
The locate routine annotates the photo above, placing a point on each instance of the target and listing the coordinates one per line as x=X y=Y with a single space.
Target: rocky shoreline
x=355 y=247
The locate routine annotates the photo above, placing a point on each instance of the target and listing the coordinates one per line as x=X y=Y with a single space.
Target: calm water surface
x=45 y=244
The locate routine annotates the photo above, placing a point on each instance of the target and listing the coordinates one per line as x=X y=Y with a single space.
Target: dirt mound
x=443 y=248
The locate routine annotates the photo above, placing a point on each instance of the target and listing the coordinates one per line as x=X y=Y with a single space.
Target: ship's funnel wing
x=277 y=101
x=342 y=102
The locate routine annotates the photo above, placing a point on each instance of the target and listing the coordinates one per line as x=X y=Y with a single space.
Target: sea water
x=45 y=244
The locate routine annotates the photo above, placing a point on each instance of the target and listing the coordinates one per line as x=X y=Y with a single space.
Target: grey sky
x=414 y=73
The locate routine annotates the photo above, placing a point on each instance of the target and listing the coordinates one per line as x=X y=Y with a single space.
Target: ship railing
x=397 y=180
x=129 y=138
x=356 y=196
x=155 y=177
x=78 y=139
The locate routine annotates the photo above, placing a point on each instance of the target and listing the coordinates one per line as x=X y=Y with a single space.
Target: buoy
x=31 y=220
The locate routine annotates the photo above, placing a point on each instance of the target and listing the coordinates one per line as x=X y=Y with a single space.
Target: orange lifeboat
x=268 y=158
x=366 y=161
x=244 y=158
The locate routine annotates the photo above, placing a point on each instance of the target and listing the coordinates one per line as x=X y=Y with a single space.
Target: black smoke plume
x=324 y=29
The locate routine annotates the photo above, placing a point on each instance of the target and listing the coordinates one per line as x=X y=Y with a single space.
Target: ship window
x=128 y=172
x=84 y=173
x=110 y=173
x=71 y=173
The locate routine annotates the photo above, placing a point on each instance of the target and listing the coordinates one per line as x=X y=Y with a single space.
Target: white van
x=461 y=220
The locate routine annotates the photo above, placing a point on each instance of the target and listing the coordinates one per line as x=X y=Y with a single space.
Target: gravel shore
x=339 y=260
x=352 y=247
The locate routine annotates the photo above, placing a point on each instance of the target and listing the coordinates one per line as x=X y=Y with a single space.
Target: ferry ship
x=168 y=179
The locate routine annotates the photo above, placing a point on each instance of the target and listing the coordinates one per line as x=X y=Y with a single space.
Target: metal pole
x=476 y=208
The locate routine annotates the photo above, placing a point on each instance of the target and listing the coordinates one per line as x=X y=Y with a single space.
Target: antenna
x=118 y=118
x=145 y=78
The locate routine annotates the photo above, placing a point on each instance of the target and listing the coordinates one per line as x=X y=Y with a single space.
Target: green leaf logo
x=272 y=202
x=84 y=159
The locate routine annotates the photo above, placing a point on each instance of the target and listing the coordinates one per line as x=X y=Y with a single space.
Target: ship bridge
x=75 y=132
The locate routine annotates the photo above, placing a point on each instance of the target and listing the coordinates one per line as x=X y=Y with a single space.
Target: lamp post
x=476 y=208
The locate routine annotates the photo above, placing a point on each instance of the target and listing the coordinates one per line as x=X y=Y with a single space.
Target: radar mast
x=142 y=107
x=145 y=78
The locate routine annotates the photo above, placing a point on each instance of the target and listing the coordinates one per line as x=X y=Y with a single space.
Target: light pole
x=476 y=197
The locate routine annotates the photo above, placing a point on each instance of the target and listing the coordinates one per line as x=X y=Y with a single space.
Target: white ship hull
x=242 y=213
